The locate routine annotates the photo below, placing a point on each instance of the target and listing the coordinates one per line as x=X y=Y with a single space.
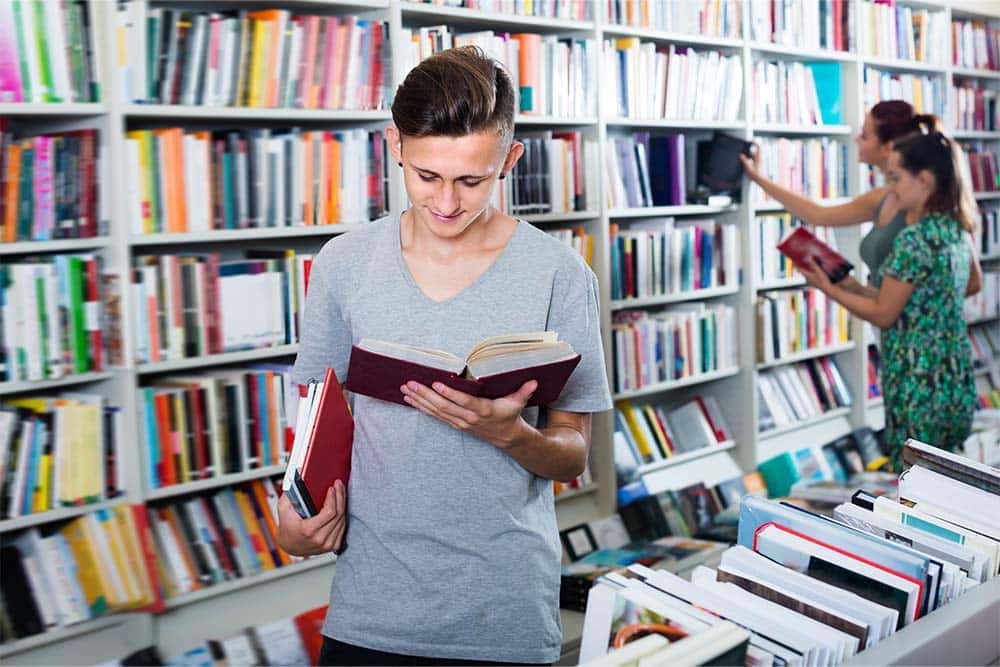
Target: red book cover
x=310 y=626
x=92 y=308
x=802 y=245
x=328 y=447
x=144 y=539
x=166 y=471
x=720 y=435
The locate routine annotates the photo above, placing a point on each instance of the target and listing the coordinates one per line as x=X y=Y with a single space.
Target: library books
x=678 y=342
x=805 y=248
x=92 y=565
x=983 y=169
x=925 y=93
x=795 y=393
x=577 y=238
x=664 y=256
x=775 y=266
x=786 y=92
x=955 y=466
x=193 y=305
x=495 y=367
x=810 y=25
x=814 y=168
x=648 y=81
x=53 y=317
x=201 y=180
x=321 y=451
x=791 y=321
x=975 y=108
x=655 y=433
x=554 y=175
x=715 y=19
x=50 y=185
x=900 y=32
x=576 y=11
x=47 y=53
x=263 y=58
x=216 y=423
x=58 y=452
x=646 y=170
x=986 y=304
x=988 y=233
x=975 y=44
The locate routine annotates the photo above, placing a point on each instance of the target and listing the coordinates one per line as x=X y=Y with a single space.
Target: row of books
x=901 y=32
x=975 y=44
x=988 y=233
x=709 y=18
x=771 y=230
x=553 y=74
x=985 y=342
x=196 y=181
x=194 y=305
x=791 y=321
x=649 y=433
x=645 y=170
x=824 y=24
x=815 y=168
x=663 y=256
x=925 y=93
x=644 y=80
x=95 y=564
x=873 y=372
x=799 y=392
x=679 y=342
x=49 y=53
x=556 y=174
x=207 y=539
x=579 y=239
x=53 y=317
x=974 y=108
x=985 y=304
x=983 y=169
x=58 y=452
x=50 y=185
x=216 y=423
x=572 y=10
x=263 y=58
x=796 y=93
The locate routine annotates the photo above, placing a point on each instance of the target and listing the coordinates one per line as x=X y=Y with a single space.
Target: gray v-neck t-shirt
x=453 y=549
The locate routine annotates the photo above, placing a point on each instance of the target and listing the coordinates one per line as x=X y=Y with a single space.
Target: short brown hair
x=453 y=93
x=942 y=157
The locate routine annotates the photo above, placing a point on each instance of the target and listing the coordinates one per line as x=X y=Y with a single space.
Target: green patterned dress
x=927 y=372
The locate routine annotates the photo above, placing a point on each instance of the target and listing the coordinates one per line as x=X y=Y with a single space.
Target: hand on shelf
x=320 y=534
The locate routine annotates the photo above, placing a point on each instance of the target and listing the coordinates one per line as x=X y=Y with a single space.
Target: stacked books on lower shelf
x=815 y=589
x=799 y=392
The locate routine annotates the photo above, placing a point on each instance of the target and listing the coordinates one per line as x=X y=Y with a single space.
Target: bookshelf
x=290 y=590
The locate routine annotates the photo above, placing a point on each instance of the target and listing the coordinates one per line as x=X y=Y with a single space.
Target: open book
x=801 y=245
x=495 y=367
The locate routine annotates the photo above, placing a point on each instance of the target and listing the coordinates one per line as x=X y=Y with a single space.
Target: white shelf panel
x=778 y=207
x=808 y=354
x=987 y=195
x=812 y=432
x=797 y=281
x=781 y=128
x=27 y=386
x=72 y=109
x=214 y=482
x=461 y=14
x=254 y=113
x=712 y=467
x=60 y=634
x=585 y=490
x=216 y=590
x=571 y=216
x=60 y=245
x=650 y=34
x=982 y=320
x=530 y=119
x=764 y=49
x=40 y=518
x=657 y=211
x=973 y=135
x=219 y=359
x=903 y=65
x=976 y=73
x=703 y=125
x=661 y=387
x=227 y=235
x=686 y=457
x=829 y=415
x=694 y=295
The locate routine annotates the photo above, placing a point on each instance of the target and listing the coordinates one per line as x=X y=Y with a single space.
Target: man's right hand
x=319 y=534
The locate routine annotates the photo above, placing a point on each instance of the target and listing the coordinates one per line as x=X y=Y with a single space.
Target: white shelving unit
x=225 y=609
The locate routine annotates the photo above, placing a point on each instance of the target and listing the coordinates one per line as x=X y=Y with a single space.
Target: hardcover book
x=801 y=245
x=496 y=366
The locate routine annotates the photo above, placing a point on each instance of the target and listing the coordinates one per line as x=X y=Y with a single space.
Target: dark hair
x=453 y=93
x=894 y=119
x=942 y=157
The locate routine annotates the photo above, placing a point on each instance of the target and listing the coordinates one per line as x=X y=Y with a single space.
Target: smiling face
x=450 y=180
x=871 y=150
x=911 y=190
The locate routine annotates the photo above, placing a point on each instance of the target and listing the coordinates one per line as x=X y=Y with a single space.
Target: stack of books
x=925 y=93
x=653 y=433
x=814 y=168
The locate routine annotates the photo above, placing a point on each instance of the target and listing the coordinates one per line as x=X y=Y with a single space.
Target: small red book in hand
x=321 y=451
x=496 y=367
x=801 y=245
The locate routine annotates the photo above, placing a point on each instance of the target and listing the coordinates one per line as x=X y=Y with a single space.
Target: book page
x=496 y=363
x=504 y=340
x=417 y=355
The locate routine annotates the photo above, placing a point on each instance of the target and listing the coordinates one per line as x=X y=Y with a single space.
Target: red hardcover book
x=801 y=245
x=496 y=367
x=310 y=625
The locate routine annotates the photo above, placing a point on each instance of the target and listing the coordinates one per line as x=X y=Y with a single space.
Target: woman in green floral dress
x=927 y=377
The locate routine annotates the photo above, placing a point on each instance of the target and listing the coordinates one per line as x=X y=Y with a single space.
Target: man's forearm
x=555 y=452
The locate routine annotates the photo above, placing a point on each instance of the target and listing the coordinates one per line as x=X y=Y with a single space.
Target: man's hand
x=498 y=421
x=319 y=534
